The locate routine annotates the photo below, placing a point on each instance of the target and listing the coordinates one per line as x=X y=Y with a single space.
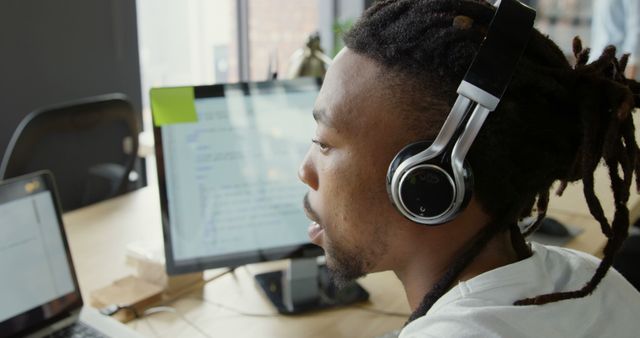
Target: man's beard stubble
x=348 y=263
x=344 y=268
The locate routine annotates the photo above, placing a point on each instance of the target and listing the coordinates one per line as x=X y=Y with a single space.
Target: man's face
x=358 y=133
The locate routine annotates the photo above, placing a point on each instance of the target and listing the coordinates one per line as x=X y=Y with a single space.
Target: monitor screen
x=38 y=282
x=228 y=176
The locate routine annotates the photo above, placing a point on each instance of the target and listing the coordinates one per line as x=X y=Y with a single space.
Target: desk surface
x=98 y=236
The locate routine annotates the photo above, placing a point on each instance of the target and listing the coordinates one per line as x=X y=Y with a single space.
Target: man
x=393 y=85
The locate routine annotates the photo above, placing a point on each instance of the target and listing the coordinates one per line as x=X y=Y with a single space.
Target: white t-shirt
x=482 y=306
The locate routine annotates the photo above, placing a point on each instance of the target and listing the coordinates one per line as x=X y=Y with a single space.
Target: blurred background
x=55 y=51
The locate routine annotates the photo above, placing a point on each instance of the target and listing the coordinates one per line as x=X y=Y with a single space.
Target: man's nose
x=307 y=173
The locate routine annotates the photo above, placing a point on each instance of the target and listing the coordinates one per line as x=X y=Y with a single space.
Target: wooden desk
x=98 y=236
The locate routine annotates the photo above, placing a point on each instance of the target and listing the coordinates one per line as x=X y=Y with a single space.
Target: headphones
x=430 y=182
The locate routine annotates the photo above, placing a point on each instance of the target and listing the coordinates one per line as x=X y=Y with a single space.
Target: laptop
x=39 y=294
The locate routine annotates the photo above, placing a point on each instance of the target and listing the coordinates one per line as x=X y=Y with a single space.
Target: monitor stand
x=305 y=286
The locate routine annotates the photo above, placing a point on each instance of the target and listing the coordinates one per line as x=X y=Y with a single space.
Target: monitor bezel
x=233 y=260
x=35 y=319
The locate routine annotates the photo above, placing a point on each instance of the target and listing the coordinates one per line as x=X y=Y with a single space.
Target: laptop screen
x=37 y=282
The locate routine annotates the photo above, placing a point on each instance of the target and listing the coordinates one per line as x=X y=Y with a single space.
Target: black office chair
x=82 y=143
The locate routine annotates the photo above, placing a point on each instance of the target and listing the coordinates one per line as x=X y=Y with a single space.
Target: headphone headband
x=492 y=68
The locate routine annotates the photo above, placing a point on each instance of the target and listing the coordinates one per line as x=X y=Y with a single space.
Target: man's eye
x=323 y=146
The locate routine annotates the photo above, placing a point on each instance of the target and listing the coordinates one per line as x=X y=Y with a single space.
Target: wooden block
x=130 y=292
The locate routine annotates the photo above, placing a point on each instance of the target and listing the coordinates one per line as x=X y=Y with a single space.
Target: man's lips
x=315 y=229
x=315 y=232
x=312 y=215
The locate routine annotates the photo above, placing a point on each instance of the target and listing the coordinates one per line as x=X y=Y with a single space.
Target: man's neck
x=423 y=272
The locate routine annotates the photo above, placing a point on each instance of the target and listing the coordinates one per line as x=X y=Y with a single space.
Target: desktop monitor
x=227 y=159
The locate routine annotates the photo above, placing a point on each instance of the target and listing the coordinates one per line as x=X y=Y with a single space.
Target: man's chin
x=344 y=272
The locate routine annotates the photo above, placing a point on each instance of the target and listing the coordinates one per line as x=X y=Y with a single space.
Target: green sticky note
x=173 y=105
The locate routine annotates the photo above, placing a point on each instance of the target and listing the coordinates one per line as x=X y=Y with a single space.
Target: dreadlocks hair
x=554 y=123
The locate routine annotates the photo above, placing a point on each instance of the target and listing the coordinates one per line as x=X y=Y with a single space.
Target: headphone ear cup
x=426 y=191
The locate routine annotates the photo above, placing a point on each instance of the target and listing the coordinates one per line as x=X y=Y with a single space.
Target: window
x=277 y=28
x=185 y=43
x=197 y=42
x=564 y=19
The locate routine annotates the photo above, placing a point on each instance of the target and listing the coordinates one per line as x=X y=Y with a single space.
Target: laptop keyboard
x=77 y=330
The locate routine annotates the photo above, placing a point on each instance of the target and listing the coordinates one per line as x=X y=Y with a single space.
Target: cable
x=196 y=284
x=112 y=309
x=382 y=312
x=153 y=331
x=157 y=309
x=263 y=315
x=234 y=310
x=211 y=279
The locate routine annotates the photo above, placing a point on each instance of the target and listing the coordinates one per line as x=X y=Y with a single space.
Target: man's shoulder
x=483 y=306
x=465 y=321
x=470 y=317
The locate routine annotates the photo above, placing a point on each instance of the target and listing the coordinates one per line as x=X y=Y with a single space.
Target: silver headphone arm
x=461 y=148
x=456 y=116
